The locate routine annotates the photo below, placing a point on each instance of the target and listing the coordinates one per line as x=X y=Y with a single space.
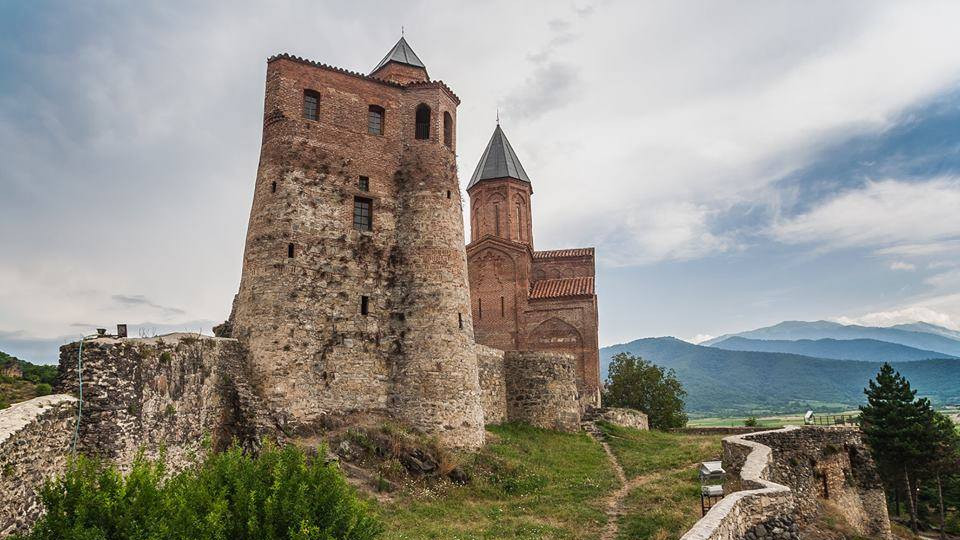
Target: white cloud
x=883 y=214
x=901 y=265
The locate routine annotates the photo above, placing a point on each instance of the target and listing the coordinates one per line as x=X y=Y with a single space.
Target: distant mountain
x=869 y=350
x=929 y=329
x=720 y=382
x=794 y=330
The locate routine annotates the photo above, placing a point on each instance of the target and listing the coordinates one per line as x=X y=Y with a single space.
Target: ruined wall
x=772 y=480
x=308 y=271
x=493 y=385
x=542 y=389
x=180 y=392
x=631 y=418
x=35 y=438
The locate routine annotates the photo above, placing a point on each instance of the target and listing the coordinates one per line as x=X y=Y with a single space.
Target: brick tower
x=354 y=295
x=524 y=299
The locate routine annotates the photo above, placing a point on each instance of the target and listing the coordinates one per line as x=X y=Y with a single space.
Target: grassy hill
x=732 y=383
x=34 y=380
x=530 y=483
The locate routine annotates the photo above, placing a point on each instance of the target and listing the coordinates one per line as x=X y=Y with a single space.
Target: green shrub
x=751 y=422
x=280 y=494
x=43 y=389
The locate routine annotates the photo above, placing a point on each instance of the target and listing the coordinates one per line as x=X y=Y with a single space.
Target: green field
x=533 y=483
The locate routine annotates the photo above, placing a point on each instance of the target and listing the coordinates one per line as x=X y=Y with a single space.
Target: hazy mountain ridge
x=931 y=338
x=721 y=381
x=867 y=350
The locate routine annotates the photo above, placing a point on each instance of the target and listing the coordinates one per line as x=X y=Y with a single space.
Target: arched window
x=311 y=105
x=447 y=129
x=423 y=121
x=519 y=221
x=375 y=120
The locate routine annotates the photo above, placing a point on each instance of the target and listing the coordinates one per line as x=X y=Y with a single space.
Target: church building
x=523 y=299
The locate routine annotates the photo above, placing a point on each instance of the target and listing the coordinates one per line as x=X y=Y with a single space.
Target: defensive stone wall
x=35 y=438
x=180 y=392
x=541 y=389
x=771 y=485
x=493 y=385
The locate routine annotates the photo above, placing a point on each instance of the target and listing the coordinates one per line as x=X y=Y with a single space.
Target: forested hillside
x=21 y=380
x=868 y=350
x=721 y=382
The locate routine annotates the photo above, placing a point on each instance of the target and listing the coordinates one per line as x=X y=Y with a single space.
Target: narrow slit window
x=273 y=187
x=480 y=308
x=311 y=102
x=460 y=320
x=423 y=121
x=375 y=120
x=364 y=305
x=496 y=219
x=289 y=251
x=362 y=215
x=502 y=312
x=448 y=193
x=364 y=183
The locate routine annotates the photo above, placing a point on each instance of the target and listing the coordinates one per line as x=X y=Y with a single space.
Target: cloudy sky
x=734 y=163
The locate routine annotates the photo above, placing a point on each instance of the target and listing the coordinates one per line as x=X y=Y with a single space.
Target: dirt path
x=614 y=504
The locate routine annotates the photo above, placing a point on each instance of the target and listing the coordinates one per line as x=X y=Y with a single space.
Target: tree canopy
x=638 y=384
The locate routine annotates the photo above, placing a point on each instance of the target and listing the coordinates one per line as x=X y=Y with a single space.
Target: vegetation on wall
x=280 y=494
x=638 y=384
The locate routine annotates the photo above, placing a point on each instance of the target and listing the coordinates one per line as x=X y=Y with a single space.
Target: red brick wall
x=501 y=208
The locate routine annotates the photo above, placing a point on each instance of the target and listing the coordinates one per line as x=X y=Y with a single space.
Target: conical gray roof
x=498 y=161
x=402 y=53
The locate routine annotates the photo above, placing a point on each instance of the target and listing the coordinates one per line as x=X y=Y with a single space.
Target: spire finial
x=498 y=116
x=401 y=30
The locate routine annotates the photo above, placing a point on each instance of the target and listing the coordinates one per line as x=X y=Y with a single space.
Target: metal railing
x=834 y=420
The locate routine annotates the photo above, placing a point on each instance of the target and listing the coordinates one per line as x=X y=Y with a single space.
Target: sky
x=735 y=164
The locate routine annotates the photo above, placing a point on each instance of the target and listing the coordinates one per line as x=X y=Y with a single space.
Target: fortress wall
x=772 y=485
x=179 y=392
x=35 y=439
x=541 y=389
x=493 y=385
x=631 y=418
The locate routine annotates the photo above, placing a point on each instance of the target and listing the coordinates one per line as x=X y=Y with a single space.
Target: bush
x=43 y=389
x=638 y=384
x=280 y=494
x=751 y=422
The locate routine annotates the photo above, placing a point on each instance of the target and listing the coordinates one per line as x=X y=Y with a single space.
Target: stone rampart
x=771 y=479
x=181 y=393
x=493 y=385
x=35 y=439
x=541 y=389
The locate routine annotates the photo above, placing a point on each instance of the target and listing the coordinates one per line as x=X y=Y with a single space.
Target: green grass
x=643 y=452
x=531 y=483
x=528 y=483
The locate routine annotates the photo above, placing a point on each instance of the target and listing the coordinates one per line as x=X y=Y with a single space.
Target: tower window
x=273 y=187
x=496 y=219
x=364 y=305
x=364 y=183
x=448 y=193
x=447 y=129
x=311 y=100
x=289 y=251
x=375 y=120
x=362 y=216
x=460 y=320
x=502 y=312
x=480 y=308
x=423 y=121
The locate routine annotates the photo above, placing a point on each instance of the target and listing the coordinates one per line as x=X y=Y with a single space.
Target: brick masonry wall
x=173 y=392
x=772 y=480
x=542 y=390
x=493 y=385
x=35 y=439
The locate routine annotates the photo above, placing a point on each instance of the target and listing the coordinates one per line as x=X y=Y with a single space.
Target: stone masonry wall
x=493 y=385
x=757 y=507
x=542 y=389
x=35 y=438
x=180 y=392
x=631 y=418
